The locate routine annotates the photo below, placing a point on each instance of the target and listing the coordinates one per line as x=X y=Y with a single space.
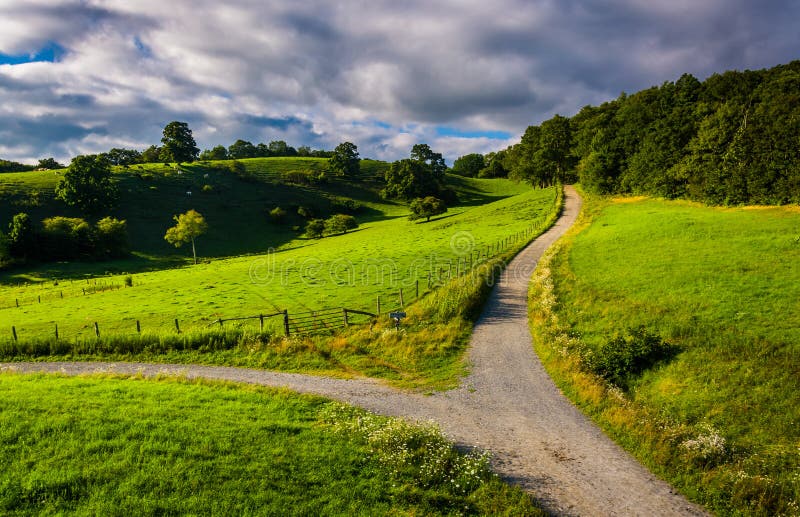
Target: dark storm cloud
x=318 y=72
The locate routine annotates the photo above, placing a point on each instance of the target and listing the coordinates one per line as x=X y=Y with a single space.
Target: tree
x=340 y=223
x=217 y=153
x=151 y=154
x=426 y=207
x=179 y=145
x=49 y=163
x=409 y=179
x=190 y=226
x=469 y=165
x=280 y=148
x=87 y=184
x=66 y=238
x=345 y=160
x=118 y=156
x=20 y=239
x=241 y=149
x=111 y=238
x=423 y=154
x=315 y=228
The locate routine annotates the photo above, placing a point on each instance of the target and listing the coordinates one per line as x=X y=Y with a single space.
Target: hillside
x=717 y=415
x=234 y=201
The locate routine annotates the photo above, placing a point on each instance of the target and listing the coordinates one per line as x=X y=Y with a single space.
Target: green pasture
x=722 y=418
x=111 y=446
x=352 y=270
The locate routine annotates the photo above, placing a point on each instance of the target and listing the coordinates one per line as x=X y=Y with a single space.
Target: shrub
x=627 y=356
x=340 y=223
x=207 y=189
x=315 y=228
x=111 y=238
x=277 y=214
x=345 y=206
x=305 y=212
x=129 y=281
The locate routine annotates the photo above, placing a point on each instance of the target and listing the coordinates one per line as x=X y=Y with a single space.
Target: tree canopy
x=345 y=160
x=179 y=145
x=426 y=207
x=420 y=176
x=469 y=165
x=731 y=139
x=87 y=184
x=190 y=225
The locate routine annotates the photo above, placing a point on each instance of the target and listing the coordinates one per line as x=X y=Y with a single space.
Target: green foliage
x=87 y=184
x=117 y=156
x=179 y=145
x=21 y=239
x=64 y=238
x=9 y=166
x=218 y=152
x=190 y=225
x=315 y=228
x=729 y=140
x=240 y=149
x=627 y=356
x=277 y=214
x=345 y=160
x=339 y=223
x=426 y=207
x=111 y=238
x=469 y=165
x=49 y=164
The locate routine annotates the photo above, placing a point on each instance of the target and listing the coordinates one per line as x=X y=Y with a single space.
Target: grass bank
x=676 y=327
x=111 y=446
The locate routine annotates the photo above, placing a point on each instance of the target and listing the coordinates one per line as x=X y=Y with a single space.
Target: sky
x=83 y=76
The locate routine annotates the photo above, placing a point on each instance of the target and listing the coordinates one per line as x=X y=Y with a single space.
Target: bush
x=299 y=177
x=277 y=214
x=344 y=206
x=305 y=212
x=129 y=281
x=315 y=228
x=207 y=189
x=627 y=356
x=111 y=238
x=340 y=223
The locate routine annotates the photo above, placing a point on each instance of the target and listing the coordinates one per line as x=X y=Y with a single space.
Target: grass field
x=350 y=270
x=721 y=418
x=110 y=446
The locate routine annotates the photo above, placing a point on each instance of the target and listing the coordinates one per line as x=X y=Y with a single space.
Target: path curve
x=507 y=405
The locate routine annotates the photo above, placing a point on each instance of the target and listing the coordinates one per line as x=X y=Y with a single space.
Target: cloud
x=382 y=74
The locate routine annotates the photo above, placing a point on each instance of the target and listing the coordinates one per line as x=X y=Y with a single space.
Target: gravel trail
x=507 y=405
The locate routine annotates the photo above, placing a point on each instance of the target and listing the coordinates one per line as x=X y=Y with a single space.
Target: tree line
x=731 y=139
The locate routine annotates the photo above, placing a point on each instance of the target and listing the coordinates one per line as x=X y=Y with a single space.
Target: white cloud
x=318 y=73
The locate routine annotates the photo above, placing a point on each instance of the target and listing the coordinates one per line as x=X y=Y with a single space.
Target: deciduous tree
x=87 y=184
x=426 y=207
x=189 y=226
x=345 y=160
x=179 y=145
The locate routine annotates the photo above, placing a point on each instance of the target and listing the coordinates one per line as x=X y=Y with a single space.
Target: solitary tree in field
x=426 y=207
x=340 y=223
x=179 y=144
x=345 y=161
x=190 y=225
x=87 y=184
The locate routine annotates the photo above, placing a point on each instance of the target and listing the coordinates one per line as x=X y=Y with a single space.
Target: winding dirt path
x=507 y=405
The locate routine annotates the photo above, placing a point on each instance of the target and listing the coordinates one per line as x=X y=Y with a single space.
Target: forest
x=729 y=140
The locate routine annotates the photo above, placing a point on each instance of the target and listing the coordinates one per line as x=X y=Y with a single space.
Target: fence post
x=176 y=325
x=261 y=321
x=96 y=329
x=344 y=313
x=138 y=327
x=286 y=321
x=56 y=330
x=14 y=332
x=417 y=284
x=378 y=304
x=402 y=304
x=40 y=298
x=429 y=280
x=62 y=294
x=17 y=300
x=220 y=322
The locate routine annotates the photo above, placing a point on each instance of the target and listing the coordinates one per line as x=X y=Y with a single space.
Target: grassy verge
x=110 y=446
x=715 y=288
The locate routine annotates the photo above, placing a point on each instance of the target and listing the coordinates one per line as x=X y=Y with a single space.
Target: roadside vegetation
x=675 y=327
x=112 y=446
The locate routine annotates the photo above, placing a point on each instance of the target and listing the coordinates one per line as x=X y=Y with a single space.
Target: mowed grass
x=351 y=270
x=721 y=419
x=110 y=446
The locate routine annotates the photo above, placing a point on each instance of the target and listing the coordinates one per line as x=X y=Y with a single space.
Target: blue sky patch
x=143 y=49
x=50 y=53
x=450 y=131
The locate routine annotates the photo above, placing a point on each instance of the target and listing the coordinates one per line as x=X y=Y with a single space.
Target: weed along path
x=507 y=405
